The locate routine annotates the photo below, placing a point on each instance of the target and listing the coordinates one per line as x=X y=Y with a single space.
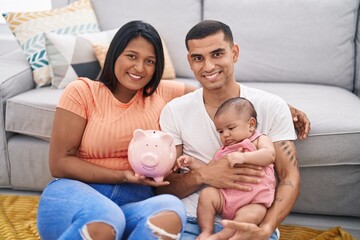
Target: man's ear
x=235 y=52
x=189 y=59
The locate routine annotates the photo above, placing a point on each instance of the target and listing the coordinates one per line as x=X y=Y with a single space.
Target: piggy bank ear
x=167 y=138
x=139 y=133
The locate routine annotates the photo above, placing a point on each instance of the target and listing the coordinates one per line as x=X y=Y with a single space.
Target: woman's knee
x=98 y=231
x=170 y=221
x=103 y=223
x=166 y=225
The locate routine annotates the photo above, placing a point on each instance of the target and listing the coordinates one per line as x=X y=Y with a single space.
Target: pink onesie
x=262 y=193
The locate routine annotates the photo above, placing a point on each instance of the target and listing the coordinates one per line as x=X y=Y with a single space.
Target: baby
x=235 y=121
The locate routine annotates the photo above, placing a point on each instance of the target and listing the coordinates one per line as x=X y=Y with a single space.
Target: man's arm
x=218 y=174
x=288 y=189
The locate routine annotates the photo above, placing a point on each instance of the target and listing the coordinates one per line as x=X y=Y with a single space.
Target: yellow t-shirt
x=110 y=123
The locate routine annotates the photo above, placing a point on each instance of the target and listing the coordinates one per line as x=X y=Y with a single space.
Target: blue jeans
x=192 y=230
x=67 y=205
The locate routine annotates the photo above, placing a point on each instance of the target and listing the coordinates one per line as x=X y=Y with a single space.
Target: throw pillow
x=100 y=53
x=169 y=71
x=72 y=56
x=29 y=27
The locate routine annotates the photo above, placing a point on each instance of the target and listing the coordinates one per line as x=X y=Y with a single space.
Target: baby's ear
x=252 y=124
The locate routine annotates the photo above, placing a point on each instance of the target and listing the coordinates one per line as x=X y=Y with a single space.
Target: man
x=212 y=55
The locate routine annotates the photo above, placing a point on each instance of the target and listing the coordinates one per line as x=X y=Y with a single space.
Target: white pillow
x=73 y=56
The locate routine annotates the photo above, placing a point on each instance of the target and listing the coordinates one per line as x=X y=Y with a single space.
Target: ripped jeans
x=66 y=206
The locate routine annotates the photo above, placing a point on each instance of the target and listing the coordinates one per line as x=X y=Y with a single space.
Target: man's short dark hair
x=207 y=28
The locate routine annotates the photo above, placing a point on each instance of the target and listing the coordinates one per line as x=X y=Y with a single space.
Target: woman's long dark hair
x=121 y=39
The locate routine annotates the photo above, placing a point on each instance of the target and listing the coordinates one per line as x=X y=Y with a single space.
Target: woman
x=96 y=194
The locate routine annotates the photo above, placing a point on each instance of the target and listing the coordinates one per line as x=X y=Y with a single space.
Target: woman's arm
x=66 y=136
x=301 y=122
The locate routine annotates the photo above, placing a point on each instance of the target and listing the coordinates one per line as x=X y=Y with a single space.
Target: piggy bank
x=152 y=153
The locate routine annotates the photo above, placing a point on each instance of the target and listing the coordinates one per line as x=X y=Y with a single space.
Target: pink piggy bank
x=152 y=153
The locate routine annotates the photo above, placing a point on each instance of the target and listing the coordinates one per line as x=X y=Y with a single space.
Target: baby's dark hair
x=241 y=105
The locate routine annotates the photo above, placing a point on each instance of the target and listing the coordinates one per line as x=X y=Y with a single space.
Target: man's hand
x=246 y=231
x=301 y=122
x=220 y=174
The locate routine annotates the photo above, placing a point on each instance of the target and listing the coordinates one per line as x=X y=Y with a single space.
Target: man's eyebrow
x=212 y=52
x=218 y=50
x=195 y=55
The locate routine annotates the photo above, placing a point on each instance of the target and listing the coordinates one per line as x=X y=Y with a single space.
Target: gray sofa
x=305 y=51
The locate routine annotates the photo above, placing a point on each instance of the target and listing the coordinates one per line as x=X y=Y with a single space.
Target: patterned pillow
x=100 y=53
x=169 y=71
x=29 y=27
x=72 y=56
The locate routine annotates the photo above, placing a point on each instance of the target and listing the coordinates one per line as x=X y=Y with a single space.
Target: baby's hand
x=236 y=158
x=182 y=161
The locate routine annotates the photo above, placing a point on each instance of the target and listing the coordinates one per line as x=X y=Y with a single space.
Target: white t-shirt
x=189 y=123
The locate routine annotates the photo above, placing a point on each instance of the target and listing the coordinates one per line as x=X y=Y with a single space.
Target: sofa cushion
x=29 y=28
x=169 y=71
x=329 y=190
x=32 y=112
x=73 y=56
x=334 y=128
x=298 y=41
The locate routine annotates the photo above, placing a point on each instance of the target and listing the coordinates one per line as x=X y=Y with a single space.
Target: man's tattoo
x=281 y=184
x=286 y=183
x=289 y=152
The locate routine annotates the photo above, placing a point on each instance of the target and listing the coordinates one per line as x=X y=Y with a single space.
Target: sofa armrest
x=15 y=75
x=15 y=78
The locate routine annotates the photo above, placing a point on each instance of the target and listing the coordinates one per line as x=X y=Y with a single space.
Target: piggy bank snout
x=149 y=160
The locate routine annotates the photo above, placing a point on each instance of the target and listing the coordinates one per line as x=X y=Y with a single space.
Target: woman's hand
x=301 y=122
x=131 y=177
